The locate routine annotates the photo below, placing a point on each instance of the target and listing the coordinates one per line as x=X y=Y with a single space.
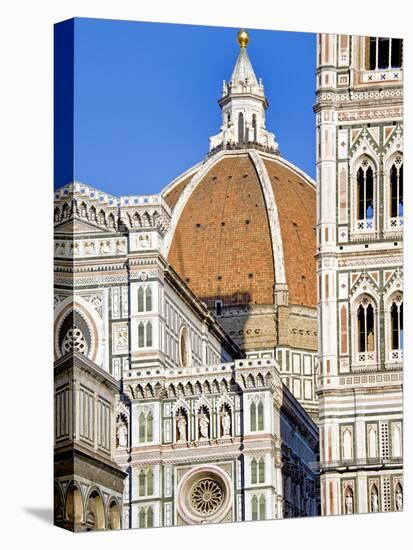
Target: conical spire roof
x=243 y=105
x=243 y=72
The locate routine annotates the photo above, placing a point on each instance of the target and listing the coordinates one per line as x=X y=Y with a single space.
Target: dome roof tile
x=222 y=243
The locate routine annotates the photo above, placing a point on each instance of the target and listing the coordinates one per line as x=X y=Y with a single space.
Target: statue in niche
x=374 y=500
x=144 y=241
x=120 y=247
x=96 y=301
x=349 y=503
x=226 y=424
x=399 y=499
x=122 y=434
x=122 y=338
x=105 y=247
x=204 y=426
x=126 y=520
x=181 y=424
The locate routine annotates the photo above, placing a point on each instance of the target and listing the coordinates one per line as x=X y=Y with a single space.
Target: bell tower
x=359 y=114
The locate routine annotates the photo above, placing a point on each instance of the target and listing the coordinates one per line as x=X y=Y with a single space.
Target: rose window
x=74 y=340
x=207 y=496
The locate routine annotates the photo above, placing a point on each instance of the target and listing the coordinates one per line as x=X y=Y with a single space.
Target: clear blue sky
x=145 y=98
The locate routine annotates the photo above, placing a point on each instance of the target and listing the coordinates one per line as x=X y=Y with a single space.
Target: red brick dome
x=243 y=221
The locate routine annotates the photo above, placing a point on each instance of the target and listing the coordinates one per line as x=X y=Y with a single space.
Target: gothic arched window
x=365 y=196
x=254 y=476
x=142 y=483
x=253 y=417
x=145 y=483
x=142 y=428
x=257 y=416
x=142 y=518
x=261 y=471
x=384 y=53
x=149 y=426
x=145 y=427
x=241 y=137
x=396 y=322
x=141 y=335
x=144 y=298
x=145 y=334
x=254 y=126
x=262 y=507
x=148 y=334
x=141 y=294
x=148 y=299
x=149 y=483
x=260 y=416
x=149 y=517
x=365 y=329
x=372 y=442
x=258 y=507
x=396 y=440
x=347 y=444
x=254 y=508
x=396 y=191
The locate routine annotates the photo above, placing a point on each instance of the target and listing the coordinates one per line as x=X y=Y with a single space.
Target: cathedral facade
x=221 y=344
x=359 y=113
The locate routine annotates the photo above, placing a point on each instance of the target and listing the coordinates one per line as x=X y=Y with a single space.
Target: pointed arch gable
x=394 y=146
x=203 y=401
x=225 y=400
x=363 y=149
x=91 y=317
x=180 y=404
x=364 y=286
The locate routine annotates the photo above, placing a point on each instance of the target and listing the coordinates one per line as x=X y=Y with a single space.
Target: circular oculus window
x=204 y=495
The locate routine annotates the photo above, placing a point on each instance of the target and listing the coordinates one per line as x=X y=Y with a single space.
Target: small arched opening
x=74 y=509
x=113 y=516
x=95 y=512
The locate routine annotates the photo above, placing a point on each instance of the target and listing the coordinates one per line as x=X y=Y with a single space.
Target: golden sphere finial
x=243 y=38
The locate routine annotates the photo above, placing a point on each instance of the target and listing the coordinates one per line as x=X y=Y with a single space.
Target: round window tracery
x=204 y=495
x=74 y=335
x=74 y=341
x=207 y=496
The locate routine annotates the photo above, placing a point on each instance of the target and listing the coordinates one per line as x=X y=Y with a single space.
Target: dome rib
x=273 y=218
